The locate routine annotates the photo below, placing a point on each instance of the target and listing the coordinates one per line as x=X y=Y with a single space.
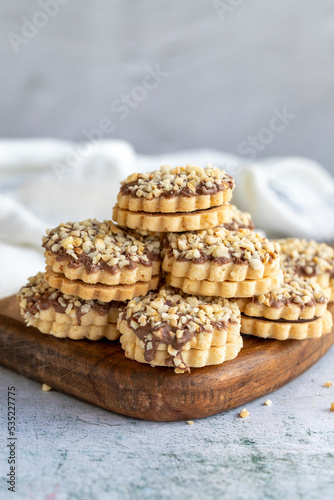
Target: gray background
x=226 y=74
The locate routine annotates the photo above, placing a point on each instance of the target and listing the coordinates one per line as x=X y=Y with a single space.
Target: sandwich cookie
x=171 y=329
x=295 y=310
x=175 y=199
x=221 y=262
x=99 y=261
x=63 y=315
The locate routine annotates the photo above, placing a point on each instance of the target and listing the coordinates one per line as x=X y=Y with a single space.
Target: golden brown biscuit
x=226 y=289
x=173 y=222
x=100 y=252
x=176 y=189
x=285 y=329
x=161 y=329
x=292 y=300
x=219 y=255
x=104 y=293
x=62 y=315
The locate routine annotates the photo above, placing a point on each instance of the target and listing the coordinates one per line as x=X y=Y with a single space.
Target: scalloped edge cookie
x=176 y=204
x=212 y=271
x=123 y=277
x=201 y=340
x=105 y=293
x=283 y=331
x=173 y=223
x=289 y=311
x=194 y=358
x=76 y=332
x=226 y=289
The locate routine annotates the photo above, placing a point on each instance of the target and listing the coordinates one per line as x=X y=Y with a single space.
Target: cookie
x=166 y=328
x=176 y=189
x=173 y=222
x=98 y=291
x=100 y=252
x=293 y=300
x=286 y=329
x=226 y=289
x=308 y=259
x=62 y=315
x=219 y=255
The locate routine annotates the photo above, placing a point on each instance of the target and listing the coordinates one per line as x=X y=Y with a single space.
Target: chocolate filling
x=86 y=261
x=168 y=338
x=201 y=189
x=37 y=302
x=281 y=320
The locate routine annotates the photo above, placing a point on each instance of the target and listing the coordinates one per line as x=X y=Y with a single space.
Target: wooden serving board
x=99 y=373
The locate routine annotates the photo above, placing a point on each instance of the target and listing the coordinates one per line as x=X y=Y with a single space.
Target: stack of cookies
x=296 y=309
x=64 y=315
x=220 y=278
x=93 y=268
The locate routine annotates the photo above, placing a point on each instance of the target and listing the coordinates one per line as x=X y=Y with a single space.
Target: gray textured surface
x=226 y=74
x=71 y=450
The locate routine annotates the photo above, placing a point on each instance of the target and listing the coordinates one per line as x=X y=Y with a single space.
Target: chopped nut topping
x=244 y=413
x=268 y=402
x=240 y=220
x=190 y=422
x=295 y=290
x=102 y=244
x=171 y=181
x=306 y=258
x=240 y=246
x=328 y=384
x=332 y=406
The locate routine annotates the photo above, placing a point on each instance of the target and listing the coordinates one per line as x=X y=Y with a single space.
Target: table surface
x=67 y=449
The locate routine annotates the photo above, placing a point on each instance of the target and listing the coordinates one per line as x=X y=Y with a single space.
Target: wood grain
x=100 y=374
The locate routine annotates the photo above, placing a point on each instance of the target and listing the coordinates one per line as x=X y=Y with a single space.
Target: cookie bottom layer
x=283 y=330
x=75 y=332
x=288 y=311
x=105 y=293
x=194 y=358
x=226 y=289
x=176 y=222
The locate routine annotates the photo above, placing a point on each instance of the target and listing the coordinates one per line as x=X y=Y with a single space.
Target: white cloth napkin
x=44 y=182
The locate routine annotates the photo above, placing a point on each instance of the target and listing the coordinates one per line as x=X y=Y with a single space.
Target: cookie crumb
x=332 y=406
x=190 y=422
x=244 y=413
x=268 y=402
x=328 y=384
x=46 y=388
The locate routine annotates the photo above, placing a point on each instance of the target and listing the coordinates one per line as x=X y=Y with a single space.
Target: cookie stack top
x=175 y=199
